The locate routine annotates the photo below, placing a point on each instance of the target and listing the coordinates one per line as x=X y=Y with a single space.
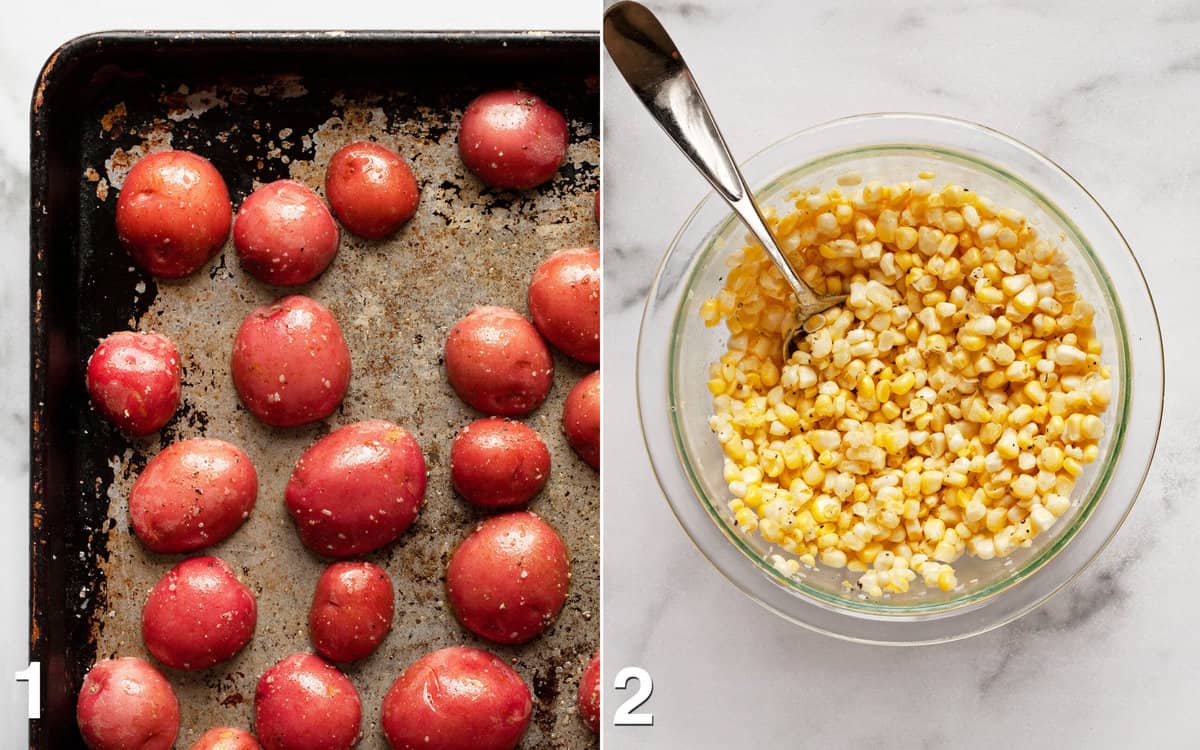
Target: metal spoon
x=655 y=70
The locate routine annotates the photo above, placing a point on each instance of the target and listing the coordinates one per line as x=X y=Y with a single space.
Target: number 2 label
x=625 y=715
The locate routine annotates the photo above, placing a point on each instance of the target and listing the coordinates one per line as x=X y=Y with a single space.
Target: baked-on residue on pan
x=395 y=300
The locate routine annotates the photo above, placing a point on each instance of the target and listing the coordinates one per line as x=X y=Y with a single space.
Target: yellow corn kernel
x=903 y=384
x=753 y=496
x=747 y=520
x=906 y=238
x=1007 y=446
x=1050 y=459
x=1034 y=391
x=946 y=580
x=825 y=509
x=1023 y=487
x=735 y=450
x=931 y=482
x=1072 y=467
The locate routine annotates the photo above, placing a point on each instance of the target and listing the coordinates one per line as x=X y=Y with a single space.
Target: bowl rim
x=956 y=139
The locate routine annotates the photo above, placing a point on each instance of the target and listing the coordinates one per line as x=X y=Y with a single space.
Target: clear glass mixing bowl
x=675 y=349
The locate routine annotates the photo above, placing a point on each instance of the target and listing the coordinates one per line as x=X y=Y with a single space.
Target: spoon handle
x=653 y=67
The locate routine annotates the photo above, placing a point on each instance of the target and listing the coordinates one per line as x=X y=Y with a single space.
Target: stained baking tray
x=262 y=106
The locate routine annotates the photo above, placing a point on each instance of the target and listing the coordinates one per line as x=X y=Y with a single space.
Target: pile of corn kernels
x=947 y=408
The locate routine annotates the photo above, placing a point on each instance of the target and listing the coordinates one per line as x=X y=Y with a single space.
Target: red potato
x=198 y=614
x=357 y=489
x=508 y=580
x=134 y=379
x=589 y=695
x=351 y=611
x=127 y=703
x=290 y=363
x=597 y=206
x=305 y=703
x=226 y=738
x=371 y=189
x=512 y=139
x=581 y=418
x=284 y=235
x=457 y=698
x=564 y=301
x=495 y=463
x=192 y=494
x=497 y=362
x=173 y=213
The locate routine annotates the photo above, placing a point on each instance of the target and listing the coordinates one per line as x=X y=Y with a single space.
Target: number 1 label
x=33 y=675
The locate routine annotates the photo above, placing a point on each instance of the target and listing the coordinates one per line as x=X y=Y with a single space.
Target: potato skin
x=371 y=189
x=290 y=363
x=508 y=580
x=564 y=301
x=589 y=694
x=198 y=614
x=351 y=611
x=581 y=418
x=173 y=213
x=193 y=494
x=284 y=235
x=126 y=703
x=497 y=363
x=134 y=380
x=512 y=139
x=496 y=463
x=457 y=698
x=357 y=489
x=226 y=738
x=305 y=703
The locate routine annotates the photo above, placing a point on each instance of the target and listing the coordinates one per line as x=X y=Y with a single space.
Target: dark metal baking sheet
x=263 y=106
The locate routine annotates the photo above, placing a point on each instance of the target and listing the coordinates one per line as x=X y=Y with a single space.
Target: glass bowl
x=675 y=349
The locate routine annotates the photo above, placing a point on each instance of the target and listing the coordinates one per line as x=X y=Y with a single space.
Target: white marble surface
x=27 y=37
x=1110 y=90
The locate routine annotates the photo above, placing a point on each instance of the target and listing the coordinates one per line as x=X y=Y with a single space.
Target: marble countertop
x=1109 y=91
x=26 y=40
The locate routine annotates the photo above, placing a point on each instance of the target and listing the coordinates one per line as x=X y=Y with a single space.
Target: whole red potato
x=508 y=580
x=127 y=703
x=371 y=189
x=305 y=703
x=198 y=614
x=290 y=363
x=134 y=379
x=564 y=301
x=351 y=610
x=194 y=493
x=497 y=362
x=496 y=463
x=173 y=213
x=457 y=698
x=512 y=139
x=284 y=235
x=357 y=489
x=589 y=694
x=226 y=738
x=581 y=418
